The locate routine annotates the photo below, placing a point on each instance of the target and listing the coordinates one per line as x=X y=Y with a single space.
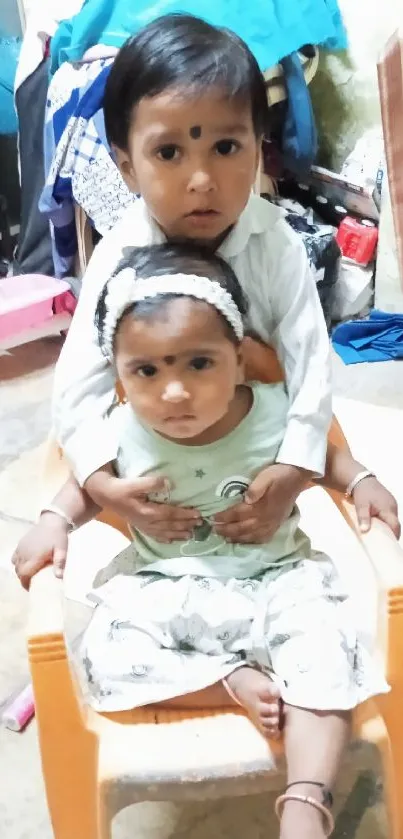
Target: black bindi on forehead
x=195 y=132
x=169 y=359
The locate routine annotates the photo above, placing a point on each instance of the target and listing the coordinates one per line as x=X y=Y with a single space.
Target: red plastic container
x=357 y=240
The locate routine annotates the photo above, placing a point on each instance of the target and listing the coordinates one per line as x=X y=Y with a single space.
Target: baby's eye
x=201 y=362
x=146 y=371
x=227 y=147
x=168 y=152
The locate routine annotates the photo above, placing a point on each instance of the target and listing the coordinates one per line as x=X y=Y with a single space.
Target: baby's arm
x=371 y=498
x=301 y=340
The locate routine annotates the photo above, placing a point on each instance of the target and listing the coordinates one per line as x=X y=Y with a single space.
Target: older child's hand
x=128 y=498
x=372 y=500
x=267 y=503
x=44 y=544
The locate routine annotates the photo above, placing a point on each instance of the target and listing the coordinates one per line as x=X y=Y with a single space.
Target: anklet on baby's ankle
x=231 y=693
x=327 y=797
x=328 y=820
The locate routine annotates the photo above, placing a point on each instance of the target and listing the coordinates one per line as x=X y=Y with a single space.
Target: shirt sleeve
x=84 y=383
x=302 y=344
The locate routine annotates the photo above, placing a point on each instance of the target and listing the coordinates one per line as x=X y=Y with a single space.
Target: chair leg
x=69 y=751
x=390 y=706
x=104 y=816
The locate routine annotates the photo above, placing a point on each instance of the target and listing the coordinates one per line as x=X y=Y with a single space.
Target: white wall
x=345 y=91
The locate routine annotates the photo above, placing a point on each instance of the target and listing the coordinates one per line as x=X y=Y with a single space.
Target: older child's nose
x=201 y=180
x=175 y=392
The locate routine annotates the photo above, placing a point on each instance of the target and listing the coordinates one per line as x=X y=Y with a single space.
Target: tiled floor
x=25 y=393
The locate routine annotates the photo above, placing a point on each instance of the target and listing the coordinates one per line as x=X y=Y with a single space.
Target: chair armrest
x=45 y=614
x=385 y=555
x=382 y=549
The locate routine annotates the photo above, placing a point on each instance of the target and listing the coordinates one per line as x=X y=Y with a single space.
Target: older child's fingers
x=167 y=513
x=236 y=513
x=174 y=527
x=248 y=533
x=173 y=536
x=391 y=519
x=236 y=528
x=142 y=486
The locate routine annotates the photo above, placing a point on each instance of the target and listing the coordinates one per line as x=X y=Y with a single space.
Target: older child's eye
x=227 y=147
x=168 y=152
x=146 y=371
x=201 y=362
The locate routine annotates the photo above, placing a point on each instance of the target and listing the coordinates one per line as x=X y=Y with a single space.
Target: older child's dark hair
x=186 y=52
x=157 y=260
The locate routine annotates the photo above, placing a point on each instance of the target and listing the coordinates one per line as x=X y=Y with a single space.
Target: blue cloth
x=299 y=139
x=72 y=135
x=271 y=28
x=9 y=53
x=380 y=338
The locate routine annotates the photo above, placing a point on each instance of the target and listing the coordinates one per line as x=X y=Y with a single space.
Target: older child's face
x=179 y=370
x=193 y=160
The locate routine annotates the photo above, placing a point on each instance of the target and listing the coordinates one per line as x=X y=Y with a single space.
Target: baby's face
x=179 y=370
x=194 y=161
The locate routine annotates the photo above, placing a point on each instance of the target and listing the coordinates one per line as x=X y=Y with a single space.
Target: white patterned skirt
x=153 y=637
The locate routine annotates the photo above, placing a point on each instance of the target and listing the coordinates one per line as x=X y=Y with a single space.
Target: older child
x=185 y=111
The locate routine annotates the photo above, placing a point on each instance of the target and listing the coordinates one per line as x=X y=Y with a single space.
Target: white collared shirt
x=272 y=267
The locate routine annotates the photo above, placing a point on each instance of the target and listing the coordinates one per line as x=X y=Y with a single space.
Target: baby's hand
x=45 y=543
x=372 y=500
x=128 y=498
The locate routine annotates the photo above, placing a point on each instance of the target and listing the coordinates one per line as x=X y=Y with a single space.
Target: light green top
x=210 y=478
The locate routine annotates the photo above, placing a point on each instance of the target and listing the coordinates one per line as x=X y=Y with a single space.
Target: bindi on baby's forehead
x=195 y=132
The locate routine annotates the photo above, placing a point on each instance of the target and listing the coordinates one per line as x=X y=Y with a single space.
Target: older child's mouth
x=202 y=214
x=201 y=218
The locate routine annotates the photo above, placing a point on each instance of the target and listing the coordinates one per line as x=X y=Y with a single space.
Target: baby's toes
x=270 y=694
x=270 y=718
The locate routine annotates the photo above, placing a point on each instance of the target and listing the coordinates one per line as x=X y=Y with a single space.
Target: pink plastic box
x=26 y=302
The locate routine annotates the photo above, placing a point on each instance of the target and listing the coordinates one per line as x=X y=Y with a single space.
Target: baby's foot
x=260 y=697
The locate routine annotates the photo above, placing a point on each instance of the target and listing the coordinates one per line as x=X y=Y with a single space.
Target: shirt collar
x=253 y=220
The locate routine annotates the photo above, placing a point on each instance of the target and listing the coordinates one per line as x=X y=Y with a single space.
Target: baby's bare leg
x=314 y=745
x=254 y=691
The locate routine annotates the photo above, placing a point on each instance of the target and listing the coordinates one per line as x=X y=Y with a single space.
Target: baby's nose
x=174 y=392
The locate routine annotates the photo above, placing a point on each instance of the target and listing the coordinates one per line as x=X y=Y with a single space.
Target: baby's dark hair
x=185 y=52
x=157 y=260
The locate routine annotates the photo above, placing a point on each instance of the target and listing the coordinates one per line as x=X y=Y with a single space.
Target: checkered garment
x=79 y=167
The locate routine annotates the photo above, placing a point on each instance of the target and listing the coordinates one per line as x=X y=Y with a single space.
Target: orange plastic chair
x=95 y=765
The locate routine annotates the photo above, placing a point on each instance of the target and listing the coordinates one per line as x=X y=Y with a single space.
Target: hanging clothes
x=34 y=249
x=78 y=165
x=271 y=28
x=299 y=135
